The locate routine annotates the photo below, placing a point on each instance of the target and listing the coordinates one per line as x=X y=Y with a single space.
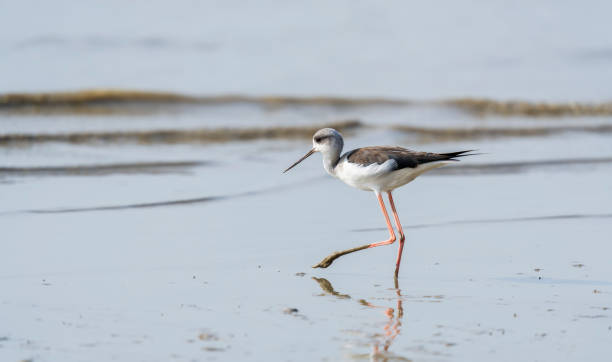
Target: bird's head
x=328 y=141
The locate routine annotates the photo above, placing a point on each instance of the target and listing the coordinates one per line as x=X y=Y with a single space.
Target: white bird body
x=383 y=177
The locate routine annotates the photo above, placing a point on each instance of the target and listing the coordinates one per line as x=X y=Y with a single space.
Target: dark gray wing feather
x=402 y=156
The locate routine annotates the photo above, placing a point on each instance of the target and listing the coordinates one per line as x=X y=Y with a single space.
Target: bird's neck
x=330 y=160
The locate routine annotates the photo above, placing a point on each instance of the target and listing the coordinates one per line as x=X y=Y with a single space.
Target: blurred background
x=547 y=50
x=144 y=215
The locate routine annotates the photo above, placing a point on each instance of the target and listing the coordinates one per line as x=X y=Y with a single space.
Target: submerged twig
x=335 y=255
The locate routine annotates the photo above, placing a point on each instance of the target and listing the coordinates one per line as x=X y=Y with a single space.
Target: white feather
x=380 y=177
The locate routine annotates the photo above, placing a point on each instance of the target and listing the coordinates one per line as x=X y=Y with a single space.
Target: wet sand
x=189 y=250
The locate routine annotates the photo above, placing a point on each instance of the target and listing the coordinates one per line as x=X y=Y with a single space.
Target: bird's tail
x=452 y=156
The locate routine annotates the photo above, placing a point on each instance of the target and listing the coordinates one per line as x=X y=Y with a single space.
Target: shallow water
x=198 y=251
x=544 y=51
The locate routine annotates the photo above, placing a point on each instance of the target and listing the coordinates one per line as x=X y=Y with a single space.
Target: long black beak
x=301 y=159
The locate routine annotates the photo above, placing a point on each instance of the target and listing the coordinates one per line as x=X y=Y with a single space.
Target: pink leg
x=401 y=232
x=330 y=258
x=389 y=226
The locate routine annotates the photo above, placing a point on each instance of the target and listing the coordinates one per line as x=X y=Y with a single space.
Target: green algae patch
x=105 y=101
x=110 y=101
x=427 y=134
x=482 y=107
x=214 y=135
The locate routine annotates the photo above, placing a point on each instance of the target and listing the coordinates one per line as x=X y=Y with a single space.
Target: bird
x=380 y=169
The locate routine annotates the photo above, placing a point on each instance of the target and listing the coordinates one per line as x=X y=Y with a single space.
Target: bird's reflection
x=382 y=342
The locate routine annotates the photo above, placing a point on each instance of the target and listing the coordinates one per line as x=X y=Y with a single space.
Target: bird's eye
x=318 y=139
